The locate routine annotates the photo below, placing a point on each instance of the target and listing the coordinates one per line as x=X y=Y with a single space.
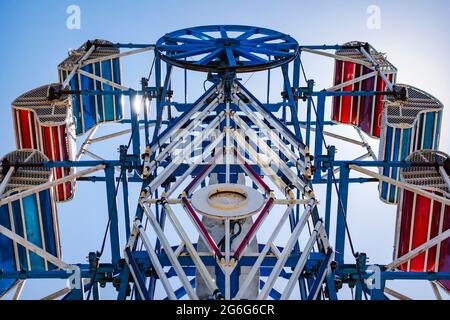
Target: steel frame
x=137 y=270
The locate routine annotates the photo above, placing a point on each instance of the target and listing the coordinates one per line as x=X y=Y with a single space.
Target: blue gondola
x=90 y=110
x=407 y=126
x=32 y=217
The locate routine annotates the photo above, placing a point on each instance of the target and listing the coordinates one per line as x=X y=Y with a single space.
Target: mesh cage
x=406 y=112
x=355 y=53
x=425 y=177
x=99 y=52
x=24 y=177
x=47 y=111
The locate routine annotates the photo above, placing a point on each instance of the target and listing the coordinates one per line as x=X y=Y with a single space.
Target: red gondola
x=47 y=125
x=362 y=111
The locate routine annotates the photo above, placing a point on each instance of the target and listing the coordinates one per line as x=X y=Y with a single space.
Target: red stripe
x=26 y=134
x=349 y=74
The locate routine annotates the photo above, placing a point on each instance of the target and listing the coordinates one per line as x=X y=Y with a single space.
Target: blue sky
x=35 y=39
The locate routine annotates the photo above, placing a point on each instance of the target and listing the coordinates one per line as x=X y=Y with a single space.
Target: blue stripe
x=420 y=137
x=47 y=222
x=395 y=157
x=429 y=131
x=438 y=130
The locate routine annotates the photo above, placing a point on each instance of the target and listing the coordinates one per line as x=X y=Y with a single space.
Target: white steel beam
x=401 y=184
x=19 y=290
x=286 y=251
x=274 y=157
x=119 y=55
x=261 y=124
x=155 y=261
x=396 y=294
x=301 y=262
x=86 y=142
x=338 y=57
x=183 y=155
x=5 y=181
x=103 y=80
x=192 y=166
x=286 y=151
x=353 y=81
x=436 y=291
x=170 y=253
x=268 y=171
x=418 y=250
x=187 y=116
x=255 y=268
x=201 y=268
x=76 y=67
x=35 y=249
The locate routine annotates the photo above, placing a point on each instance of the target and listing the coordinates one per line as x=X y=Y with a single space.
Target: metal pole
x=342 y=213
x=319 y=133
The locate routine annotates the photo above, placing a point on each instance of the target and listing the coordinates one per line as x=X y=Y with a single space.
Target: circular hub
x=222 y=201
x=220 y=48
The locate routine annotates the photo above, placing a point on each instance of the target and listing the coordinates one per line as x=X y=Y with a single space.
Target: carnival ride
x=227 y=208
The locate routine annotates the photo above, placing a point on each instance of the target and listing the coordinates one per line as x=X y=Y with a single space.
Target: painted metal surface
x=407 y=126
x=90 y=110
x=362 y=111
x=239 y=137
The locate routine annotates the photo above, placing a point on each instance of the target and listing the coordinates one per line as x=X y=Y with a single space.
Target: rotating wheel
x=220 y=48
